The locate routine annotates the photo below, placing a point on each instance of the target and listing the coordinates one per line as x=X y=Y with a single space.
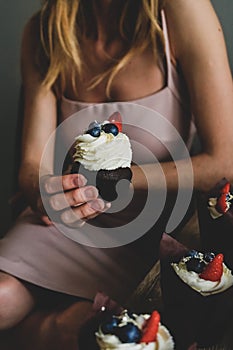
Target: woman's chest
x=140 y=76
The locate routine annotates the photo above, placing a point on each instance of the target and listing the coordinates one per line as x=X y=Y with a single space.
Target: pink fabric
x=44 y=256
x=171 y=102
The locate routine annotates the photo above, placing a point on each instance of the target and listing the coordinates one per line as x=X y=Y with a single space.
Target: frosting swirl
x=107 y=152
x=164 y=340
x=202 y=286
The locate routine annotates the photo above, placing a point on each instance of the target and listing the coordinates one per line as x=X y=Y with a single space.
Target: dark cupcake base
x=216 y=234
x=105 y=180
x=191 y=317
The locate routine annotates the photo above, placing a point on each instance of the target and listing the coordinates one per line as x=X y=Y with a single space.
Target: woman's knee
x=15 y=301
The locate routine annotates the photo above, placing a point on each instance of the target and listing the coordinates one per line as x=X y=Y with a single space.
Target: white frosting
x=106 y=152
x=202 y=286
x=213 y=211
x=164 y=339
x=212 y=206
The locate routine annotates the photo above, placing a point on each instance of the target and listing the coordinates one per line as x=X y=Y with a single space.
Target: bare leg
x=43 y=330
x=21 y=327
x=16 y=301
x=42 y=327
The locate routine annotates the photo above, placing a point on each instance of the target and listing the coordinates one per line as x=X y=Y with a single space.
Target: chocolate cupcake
x=103 y=155
x=215 y=213
x=198 y=298
x=134 y=332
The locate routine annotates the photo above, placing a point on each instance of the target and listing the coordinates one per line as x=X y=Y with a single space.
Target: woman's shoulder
x=32 y=28
x=30 y=44
x=182 y=10
x=190 y=24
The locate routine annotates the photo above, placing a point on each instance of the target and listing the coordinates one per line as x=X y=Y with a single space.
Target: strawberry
x=221 y=204
x=226 y=188
x=151 y=328
x=214 y=270
x=119 y=125
x=116 y=119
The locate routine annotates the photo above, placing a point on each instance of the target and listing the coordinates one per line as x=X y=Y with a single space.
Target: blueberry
x=208 y=256
x=129 y=333
x=109 y=326
x=93 y=125
x=196 y=265
x=95 y=132
x=193 y=253
x=110 y=128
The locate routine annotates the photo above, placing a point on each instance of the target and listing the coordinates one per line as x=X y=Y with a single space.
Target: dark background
x=14 y=15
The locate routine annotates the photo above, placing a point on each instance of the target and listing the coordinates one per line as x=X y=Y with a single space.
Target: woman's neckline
x=153 y=94
x=166 y=68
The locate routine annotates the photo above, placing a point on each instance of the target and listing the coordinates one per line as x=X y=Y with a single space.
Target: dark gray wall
x=224 y=9
x=13 y=17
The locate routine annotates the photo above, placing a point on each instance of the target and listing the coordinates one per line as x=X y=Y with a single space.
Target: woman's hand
x=70 y=198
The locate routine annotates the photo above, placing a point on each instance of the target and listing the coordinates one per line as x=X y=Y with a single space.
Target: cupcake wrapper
x=105 y=180
x=191 y=317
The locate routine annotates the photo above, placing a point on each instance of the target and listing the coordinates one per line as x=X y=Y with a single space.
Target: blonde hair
x=65 y=23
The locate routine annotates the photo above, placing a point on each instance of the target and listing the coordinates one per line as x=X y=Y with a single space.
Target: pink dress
x=46 y=257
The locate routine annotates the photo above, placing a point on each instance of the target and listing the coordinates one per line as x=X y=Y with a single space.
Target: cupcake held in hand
x=103 y=154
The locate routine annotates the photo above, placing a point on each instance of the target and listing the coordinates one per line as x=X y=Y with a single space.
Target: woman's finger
x=55 y=184
x=45 y=219
x=76 y=216
x=60 y=201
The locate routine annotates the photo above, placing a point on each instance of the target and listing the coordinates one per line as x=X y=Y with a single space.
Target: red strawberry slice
x=116 y=119
x=151 y=328
x=119 y=125
x=214 y=270
x=221 y=205
x=226 y=188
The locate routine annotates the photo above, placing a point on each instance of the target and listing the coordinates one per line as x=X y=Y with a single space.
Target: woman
x=169 y=57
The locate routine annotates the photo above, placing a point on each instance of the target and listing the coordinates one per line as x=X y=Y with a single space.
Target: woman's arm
x=40 y=120
x=198 y=47
x=39 y=117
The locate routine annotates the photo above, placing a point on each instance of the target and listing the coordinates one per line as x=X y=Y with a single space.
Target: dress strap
x=167 y=50
x=173 y=79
